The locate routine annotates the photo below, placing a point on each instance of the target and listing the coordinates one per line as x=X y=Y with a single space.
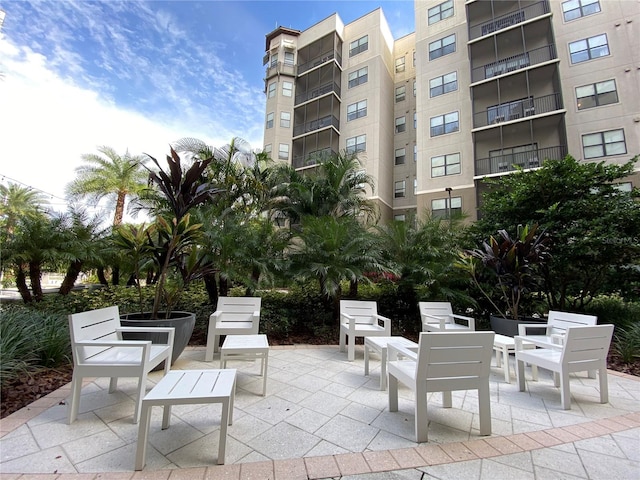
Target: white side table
x=247 y=347
x=181 y=387
x=379 y=345
x=503 y=345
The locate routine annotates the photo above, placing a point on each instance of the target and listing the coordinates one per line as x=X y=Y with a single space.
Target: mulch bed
x=30 y=388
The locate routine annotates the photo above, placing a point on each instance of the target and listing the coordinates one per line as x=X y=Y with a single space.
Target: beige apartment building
x=480 y=88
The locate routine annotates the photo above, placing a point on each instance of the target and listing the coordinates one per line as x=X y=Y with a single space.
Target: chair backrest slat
x=98 y=324
x=364 y=312
x=238 y=309
x=558 y=322
x=437 y=309
x=587 y=343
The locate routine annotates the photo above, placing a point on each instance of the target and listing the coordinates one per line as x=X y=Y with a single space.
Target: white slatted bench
x=181 y=387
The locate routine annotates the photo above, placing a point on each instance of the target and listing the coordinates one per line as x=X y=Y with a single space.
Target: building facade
x=480 y=89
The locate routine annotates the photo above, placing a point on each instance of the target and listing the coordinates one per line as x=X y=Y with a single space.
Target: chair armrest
x=351 y=320
x=523 y=327
x=215 y=315
x=170 y=331
x=386 y=321
x=395 y=349
x=440 y=319
x=471 y=322
x=113 y=343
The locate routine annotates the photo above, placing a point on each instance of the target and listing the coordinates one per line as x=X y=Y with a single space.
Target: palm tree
x=115 y=177
x=18 y=202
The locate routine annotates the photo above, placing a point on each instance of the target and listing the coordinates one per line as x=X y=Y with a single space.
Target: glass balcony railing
x=507 y=20
x=516 y=110
x=532 y=158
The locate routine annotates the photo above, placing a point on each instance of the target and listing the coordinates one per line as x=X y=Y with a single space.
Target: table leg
x=383 y=369
x=366 y=360
x=505 y=355
x=265 y=365
x=166 y=416
x=143 y=434
x=224 y=422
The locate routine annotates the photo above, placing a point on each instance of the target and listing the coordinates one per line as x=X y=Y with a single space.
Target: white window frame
x=574 y=9
x=400 y=156
x=358 y=46
x=271 y=90
x=401 y=124
x=440 y=206
x=356 y=144
x=401 y=93
x=270 y=120
x=289 y=59
x=285 y=119
x=283 y=151
x=274 y=60
x=287 y=89
x=400 y=64
x=400 y=189
x=598 y=92
x=358 y=77
x=440 y=12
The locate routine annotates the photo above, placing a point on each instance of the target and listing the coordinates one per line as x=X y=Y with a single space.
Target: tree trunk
x=101 y=276
x=35 y=275
x=115 y=275
x=70 y=277
x=224 y=287
x=119 y=213
x=21 y=283
x=353 y=289
x=211 y=286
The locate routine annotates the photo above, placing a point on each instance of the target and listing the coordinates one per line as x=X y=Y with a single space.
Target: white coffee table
x=503 y=345
x=379 y=345
x=247 y=347
x=181 y=387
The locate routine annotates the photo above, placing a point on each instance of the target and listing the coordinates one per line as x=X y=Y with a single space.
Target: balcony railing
x=528 y=159
x=281 y=68
x=317 y=92
x=313 y=158
x=319 y=60
x=514 y=62
x=519 y=109
x=316 y=124
x=509 y=19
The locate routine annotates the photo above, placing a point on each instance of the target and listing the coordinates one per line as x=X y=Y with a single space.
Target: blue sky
x=139 y=75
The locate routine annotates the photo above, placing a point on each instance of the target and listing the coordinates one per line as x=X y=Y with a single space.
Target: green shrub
x=627 y=342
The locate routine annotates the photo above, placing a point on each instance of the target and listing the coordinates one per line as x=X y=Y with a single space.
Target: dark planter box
x=509 y=326
x=183 y=322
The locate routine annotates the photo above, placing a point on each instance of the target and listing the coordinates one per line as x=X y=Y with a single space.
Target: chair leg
x=446 y=399
x=484 y=408
x=520 y=374
x=393 y=393
x=421 y=420
x=142 y=384
x=604 y=384
x=74 y=399
x=113 y=384
x=342 y=340
x=565 y=394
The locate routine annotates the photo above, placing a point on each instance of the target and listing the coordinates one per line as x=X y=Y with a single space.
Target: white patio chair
x=233 y=316
x=439 y=317
x=444 y=361
x=360 y=319
x=99 y=351
x=583 y=349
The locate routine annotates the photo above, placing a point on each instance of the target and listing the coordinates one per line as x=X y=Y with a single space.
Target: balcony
x=281 y=68
x=507 y=20
x=316 y=124
x=517 y=110
x=313 y=158
x=318 y=92
x=319 y=60
x=526 y=159
x=514 y=63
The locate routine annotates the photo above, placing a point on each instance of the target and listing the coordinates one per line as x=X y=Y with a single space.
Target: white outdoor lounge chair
x=233 y=316
x=360 y=319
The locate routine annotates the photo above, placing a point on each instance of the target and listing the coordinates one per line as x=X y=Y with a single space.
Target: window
x=415 y=186
x=626 y=187
x=442 y=47
x=399 y=64
x=400 y=218
x=359 y=46
x=400 y=93
x=440 y=12
x=579 y=8
x=283 y=151
x=272 y=90
x=285 y=119
x=287 y=89
x=441 y=207
x=400 y=155
x=589 y=48
x=442 y=124
x=274 y=60
x=400 y=189
x=288 y=58
x=270 y=120
x=357 y=110
x=444 y=84
x=267 y=150
x=415 y=120
x=445 y=165
x=415 y=153
x=603 y=144
x=358 y=77
x=356 y=144
x=401 y=124
x=596 y=94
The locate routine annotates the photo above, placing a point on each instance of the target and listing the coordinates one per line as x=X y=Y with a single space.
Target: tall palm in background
x=18 y=202
x=110 y=176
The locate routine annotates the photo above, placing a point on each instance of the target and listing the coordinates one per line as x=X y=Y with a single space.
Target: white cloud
x=47 y=123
